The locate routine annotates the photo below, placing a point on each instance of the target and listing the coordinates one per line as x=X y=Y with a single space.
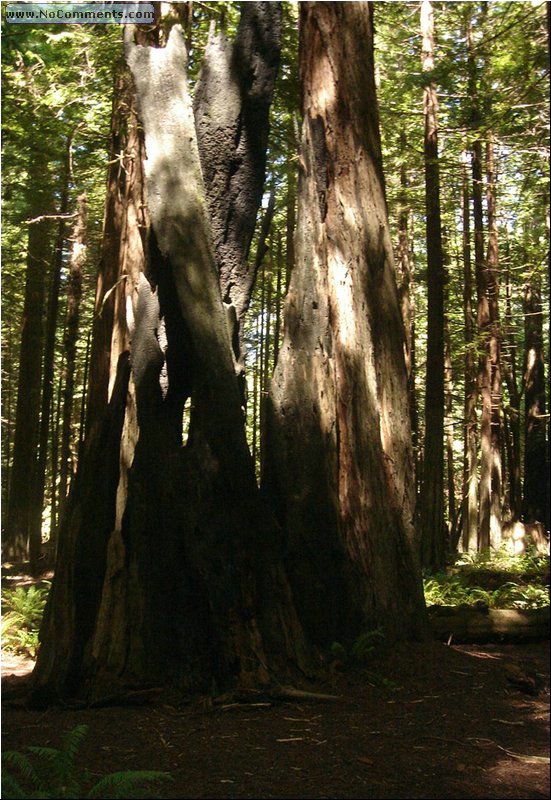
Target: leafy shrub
x=529 y=566
x=22 y=610
x=504 y=582
x=53 y=774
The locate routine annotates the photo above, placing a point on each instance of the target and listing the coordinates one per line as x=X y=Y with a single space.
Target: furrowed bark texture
x=340 y=461
x=123 y=244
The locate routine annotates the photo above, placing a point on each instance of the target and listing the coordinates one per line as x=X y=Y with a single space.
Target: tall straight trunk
x=482 y=321
x=54 y=461
x=431 y=502
x=340 y=465
x=482 y=302
x=470 y=451
x=452 y=510
x=48 y=368
x=494 y=349
x=77 y=260
x=27 y=415
x=277 y=328
x=405 y=273
x=266 y=370
x=511 y=416
x=536 y=474
x=261 y=356
x=123 y=192
x=7 y=416
x=290 y=223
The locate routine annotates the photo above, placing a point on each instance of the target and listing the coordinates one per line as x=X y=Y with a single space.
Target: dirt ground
x=428 y=721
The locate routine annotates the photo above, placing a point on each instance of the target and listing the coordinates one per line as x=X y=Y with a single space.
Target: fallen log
x=482 y=624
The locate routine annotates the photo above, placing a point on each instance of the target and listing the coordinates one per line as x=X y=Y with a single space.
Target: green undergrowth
x=50 y=772
x=22 y=610
x=504 y=581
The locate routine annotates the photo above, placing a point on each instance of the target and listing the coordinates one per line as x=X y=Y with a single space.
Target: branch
x=50 y=216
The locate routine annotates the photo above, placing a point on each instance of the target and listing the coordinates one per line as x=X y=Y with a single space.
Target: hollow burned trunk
x=231 y=105
x=340 y=460
x=180 y=561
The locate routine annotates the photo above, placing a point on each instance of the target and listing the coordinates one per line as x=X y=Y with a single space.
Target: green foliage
x=529 y=566
x=361 y=655
x=505 y=582
x=22 y=610
x=361 y=649
x=53 y=773
x=365 y=644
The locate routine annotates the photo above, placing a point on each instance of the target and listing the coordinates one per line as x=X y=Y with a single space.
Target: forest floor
x=426 y=721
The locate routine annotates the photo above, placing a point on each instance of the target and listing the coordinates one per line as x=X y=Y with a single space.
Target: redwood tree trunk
x=340 y=466
x=74 y=291
x=46 y=433
x=431 y=502
x=231 y=106
x=19 y=516
x=406 y=293
x=494 y=348
x=124 y=199
x=482 y=303
x=470 y=475
x=511 y=416
x=536 y=473
x=181 y=576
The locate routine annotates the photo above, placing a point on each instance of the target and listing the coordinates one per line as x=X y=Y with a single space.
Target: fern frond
x=127 y=784
x=46 y=753
x=10 y=788
x=24 y=766
x=69 y=748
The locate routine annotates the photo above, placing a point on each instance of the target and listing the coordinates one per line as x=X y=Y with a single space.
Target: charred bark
x=186 y=583
x=231 y=105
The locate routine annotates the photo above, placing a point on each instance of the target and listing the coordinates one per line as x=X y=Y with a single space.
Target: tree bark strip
x=21 y=496
x=74 y=291
x=340 y=470
x=231 y=105
x=431 y=502
x=470 y=457
x=494 y=348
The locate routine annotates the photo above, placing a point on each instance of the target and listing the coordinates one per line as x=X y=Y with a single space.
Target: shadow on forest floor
x=424 y=721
